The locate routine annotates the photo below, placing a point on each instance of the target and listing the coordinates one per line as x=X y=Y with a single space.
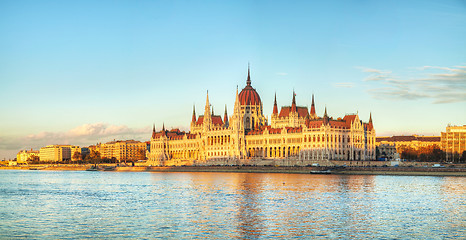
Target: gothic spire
x=153 y=131
x=207 y=107
x=275 y=108
x=326 y=118
x=293 y=103
x=225 y=116
x=194 y=114
x=237 y=104
x=370 y=117
x=248 y=81
x=313 y=107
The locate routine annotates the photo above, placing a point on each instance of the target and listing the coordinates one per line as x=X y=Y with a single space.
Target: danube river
x=74 y=204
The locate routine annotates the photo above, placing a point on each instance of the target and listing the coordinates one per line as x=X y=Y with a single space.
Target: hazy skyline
x=81 y=72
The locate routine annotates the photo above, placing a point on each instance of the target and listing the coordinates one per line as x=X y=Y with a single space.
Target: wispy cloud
x=440 y=84
x=343 y=85
x=82 y=135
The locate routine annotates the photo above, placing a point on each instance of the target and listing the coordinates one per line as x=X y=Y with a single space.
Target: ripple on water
x=51 y=205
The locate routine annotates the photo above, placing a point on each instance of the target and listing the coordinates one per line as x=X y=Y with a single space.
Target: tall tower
x=251 y=106
x=313 y=114
x=275 y=107
x=207 y=117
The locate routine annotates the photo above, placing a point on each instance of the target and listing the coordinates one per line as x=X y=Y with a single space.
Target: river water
x=79 y=204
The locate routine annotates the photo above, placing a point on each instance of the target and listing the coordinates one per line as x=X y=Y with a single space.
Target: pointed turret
x=313 y=108
x=293 y=103
x=194 y=114
x=153 y=131
x=236 y=118
x=371 y=126
x=225 y=115
x=207 y=117
x=236 y=108
x=212 y=110
x=326 y=118
x=275 y=108
x=248 y=81
x=163 y=129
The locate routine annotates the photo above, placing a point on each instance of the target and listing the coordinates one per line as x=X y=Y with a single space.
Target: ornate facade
x=295 y=136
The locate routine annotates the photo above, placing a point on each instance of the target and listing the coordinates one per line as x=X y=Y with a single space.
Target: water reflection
x=228 y=205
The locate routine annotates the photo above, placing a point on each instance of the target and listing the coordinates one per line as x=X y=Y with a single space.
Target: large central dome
x=249 y=96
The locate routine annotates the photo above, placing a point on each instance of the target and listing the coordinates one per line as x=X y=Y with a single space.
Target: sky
x=83 y=72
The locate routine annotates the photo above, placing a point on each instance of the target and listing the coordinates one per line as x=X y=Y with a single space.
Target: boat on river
x=328 y=171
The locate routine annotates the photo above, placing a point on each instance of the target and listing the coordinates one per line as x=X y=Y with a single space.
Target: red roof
x=249 y=96
x=294 y=130
x=315 y=123
x=339 y=124
x=349 y=118
x=285 y=111
x=274 y=130
x=216 y=120
x=200 y=120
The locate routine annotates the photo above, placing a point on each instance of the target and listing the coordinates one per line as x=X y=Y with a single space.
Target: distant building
x=413 y=141
x=123 y=150
x=24 y=155
x=387 y=152
x=57 y=153
x=85 y=151
x=454 y=140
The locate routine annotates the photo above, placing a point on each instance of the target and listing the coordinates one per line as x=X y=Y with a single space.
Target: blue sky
x=82 y=72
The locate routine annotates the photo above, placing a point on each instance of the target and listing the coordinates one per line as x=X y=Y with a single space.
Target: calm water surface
x=58 y=205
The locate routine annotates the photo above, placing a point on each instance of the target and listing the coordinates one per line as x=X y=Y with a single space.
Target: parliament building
x=295 y=136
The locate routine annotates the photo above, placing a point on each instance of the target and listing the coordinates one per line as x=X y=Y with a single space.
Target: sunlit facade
x=413 y=141
x=57 y=153
x=454 y=140
x=24 y=155
x=295 y=136
x=123 y=150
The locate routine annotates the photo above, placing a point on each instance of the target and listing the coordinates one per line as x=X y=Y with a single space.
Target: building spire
x=207 y=116
x=370 y=117
x=313 y=107
x=326 y=119
x=275 y=108
x=225 y=115
x=248 y=81
x=207 y=107
x=153 y=131
x=194 y=114
x=293 y=103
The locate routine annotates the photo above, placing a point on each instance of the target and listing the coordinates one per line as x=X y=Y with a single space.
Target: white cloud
x=441 y=84
x=83 y=135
